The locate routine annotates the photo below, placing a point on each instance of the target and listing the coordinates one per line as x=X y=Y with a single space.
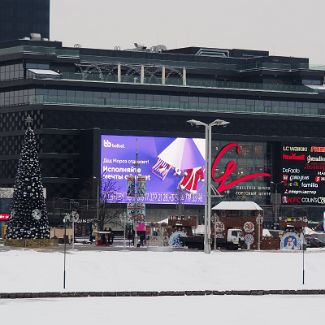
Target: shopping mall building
x=98 y=112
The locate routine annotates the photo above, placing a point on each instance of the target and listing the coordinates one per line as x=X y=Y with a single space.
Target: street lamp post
x=74 y=217
x=97 y=197
x=276 y=200
x=215 y=232
x=209 y=185
x=303 y=255
x=207 y=249
x=65 y=248
x=259 y=221
x=123 y=221
x=207 y=208
x=68 y=217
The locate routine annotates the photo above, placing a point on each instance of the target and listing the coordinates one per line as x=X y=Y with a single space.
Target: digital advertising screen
x=303 y=174
x=154 y=170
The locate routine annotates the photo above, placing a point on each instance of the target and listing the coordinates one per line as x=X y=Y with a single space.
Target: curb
x=30 y=295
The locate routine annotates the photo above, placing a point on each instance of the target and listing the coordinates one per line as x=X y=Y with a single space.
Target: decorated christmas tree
x=28 y=212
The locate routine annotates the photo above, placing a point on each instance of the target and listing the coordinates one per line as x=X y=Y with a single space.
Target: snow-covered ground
x=25 y=270
x=230 y=310
x=33 y=271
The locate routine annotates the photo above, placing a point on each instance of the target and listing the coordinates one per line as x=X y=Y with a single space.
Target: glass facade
x=190 y=81
x=16 y=71
x=254 y=157
x=155 y=101
x=11 y=72
x=44 y=66
x=17 y=97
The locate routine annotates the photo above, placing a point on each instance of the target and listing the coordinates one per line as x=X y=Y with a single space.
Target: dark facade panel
x=20 y=18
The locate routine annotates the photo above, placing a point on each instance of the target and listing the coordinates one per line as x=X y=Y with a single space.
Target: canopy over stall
x=237 y=205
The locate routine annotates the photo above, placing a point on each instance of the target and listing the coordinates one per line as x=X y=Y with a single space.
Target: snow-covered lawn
x=33 y=271
x=25 y=270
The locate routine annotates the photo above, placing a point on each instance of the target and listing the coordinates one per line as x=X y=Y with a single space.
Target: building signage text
x=229 y=170
x=303 y=175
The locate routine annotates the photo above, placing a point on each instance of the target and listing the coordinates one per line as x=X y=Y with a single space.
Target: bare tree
x=101 y=202
x=109 y=206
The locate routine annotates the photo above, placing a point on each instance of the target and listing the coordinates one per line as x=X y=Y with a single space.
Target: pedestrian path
x=77 y=294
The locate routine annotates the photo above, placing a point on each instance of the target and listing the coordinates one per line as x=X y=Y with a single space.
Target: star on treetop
x=29 y=121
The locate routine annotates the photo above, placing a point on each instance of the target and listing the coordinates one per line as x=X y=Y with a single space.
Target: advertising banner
x=4 y=216
x=131 y=185
x=136 y=211
x=141 y=185
x=303 y=174
x=163 y=167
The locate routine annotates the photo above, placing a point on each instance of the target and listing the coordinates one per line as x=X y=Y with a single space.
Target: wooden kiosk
x=245 y=215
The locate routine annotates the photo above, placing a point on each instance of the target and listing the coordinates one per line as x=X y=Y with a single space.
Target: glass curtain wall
x=254 y=157
x=173 y=102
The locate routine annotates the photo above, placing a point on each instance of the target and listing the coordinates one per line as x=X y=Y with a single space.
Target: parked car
x=314 y=242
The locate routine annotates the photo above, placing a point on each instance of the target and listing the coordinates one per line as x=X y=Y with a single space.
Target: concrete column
x=163 y=75
x=119 y=77
x=142 y=74
x=184 y=76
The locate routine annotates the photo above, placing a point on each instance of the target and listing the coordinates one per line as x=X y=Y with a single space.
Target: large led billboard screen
x=173 y=169
x=303 y=174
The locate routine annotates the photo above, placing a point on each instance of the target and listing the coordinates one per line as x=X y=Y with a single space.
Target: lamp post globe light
x=207 y=207
x=72 y=217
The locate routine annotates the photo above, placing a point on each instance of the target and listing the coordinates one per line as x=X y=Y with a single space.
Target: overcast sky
x=283 y=27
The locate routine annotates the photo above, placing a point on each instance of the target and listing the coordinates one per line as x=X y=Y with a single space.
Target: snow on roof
x=317 y=87
x=237 y=205
x=163 y=221
x=266 y=233
x=44 y=72
x=309 y=231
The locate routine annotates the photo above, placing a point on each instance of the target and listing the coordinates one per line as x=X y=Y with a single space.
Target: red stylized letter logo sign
x=229 y=169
